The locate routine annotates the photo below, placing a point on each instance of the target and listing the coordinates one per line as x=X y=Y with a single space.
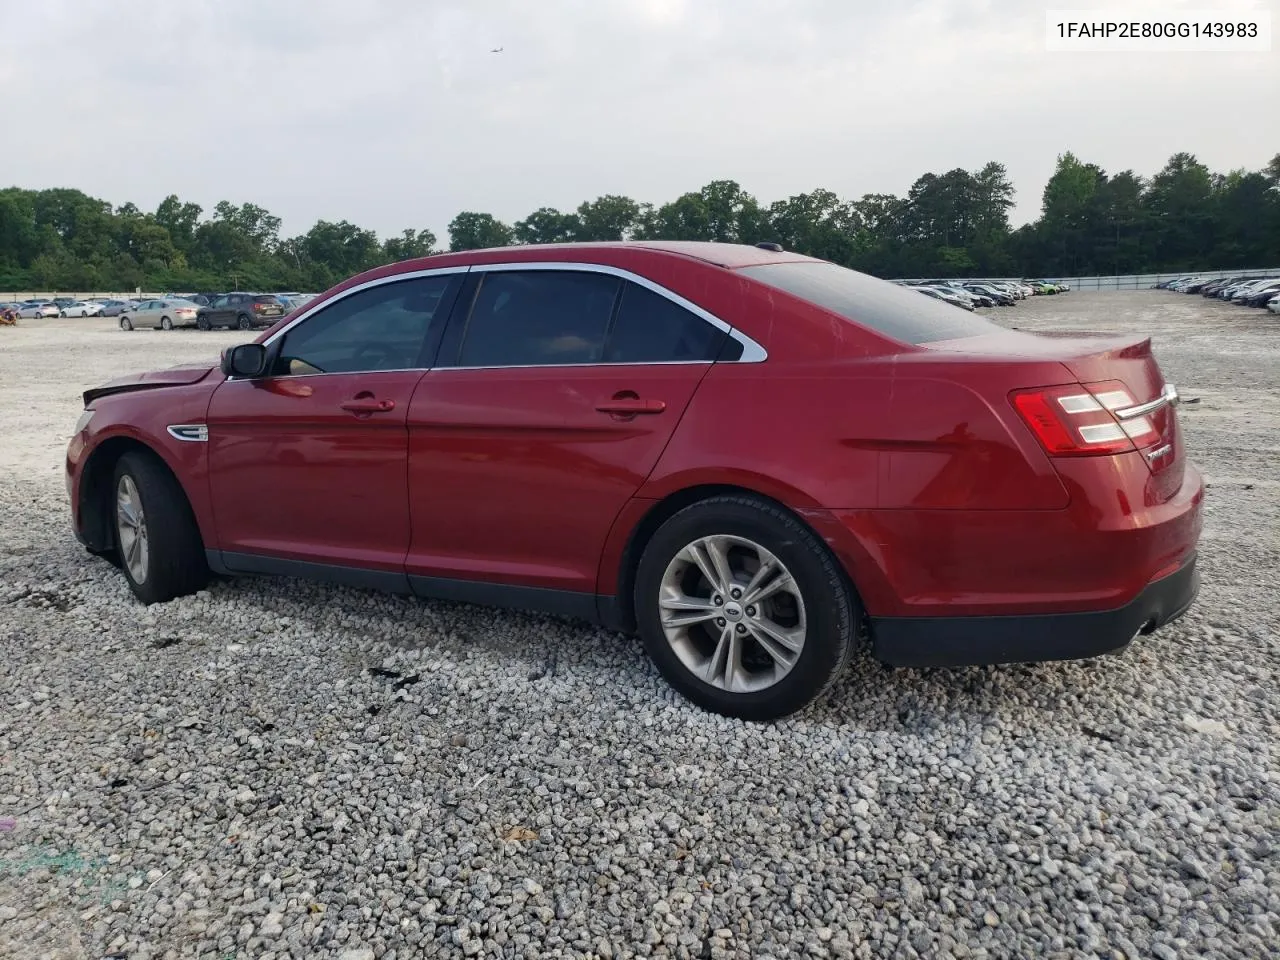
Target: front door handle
x=369 y=406
x=631 y=406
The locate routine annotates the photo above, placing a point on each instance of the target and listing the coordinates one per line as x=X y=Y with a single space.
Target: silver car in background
x=113 y=308
x=38 y=308
x=160 y=314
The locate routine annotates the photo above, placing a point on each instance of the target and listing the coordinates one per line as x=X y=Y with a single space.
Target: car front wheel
x=202 y=323
x=244 y=323
x=157 y=540
x=125 y=324
x=743 y=609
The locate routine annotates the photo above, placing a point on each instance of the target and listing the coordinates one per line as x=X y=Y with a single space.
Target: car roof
x=720 y=254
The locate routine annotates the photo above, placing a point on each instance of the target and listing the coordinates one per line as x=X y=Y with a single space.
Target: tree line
x=951 y=224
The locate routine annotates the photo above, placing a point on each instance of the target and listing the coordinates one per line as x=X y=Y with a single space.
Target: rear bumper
x=960 y=641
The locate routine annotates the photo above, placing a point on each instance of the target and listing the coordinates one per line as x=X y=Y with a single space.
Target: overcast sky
x=394 y=113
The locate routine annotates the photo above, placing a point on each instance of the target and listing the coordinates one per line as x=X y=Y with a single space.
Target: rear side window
x=898 y=312
x=649 y=328
x=538 y=318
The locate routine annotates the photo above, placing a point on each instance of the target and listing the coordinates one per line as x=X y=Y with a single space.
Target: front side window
x=221 y=301
x=538 y=318
x=386 y=327
x=649 y=328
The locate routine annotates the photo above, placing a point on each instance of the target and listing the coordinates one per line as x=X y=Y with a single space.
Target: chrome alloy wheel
x=131 y=529
x=732 y=613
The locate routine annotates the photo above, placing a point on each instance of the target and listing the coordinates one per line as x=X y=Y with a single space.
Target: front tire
x=743 y=609
x=157 y=539
x=202 y=323
x=244 y=323
x=125 y=323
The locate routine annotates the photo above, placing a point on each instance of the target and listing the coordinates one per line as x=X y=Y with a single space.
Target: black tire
x=202 y=323
x=176 y=565
x=125 y=323
x=244 y=323
x=832 y=611
x=166 y=323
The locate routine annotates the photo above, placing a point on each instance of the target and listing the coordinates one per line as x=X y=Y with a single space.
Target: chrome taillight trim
x=1168 y=395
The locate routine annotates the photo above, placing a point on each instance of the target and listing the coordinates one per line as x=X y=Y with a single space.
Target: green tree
x=605 y=218
x=475 y=231
x=548 y=225
x=409 y=245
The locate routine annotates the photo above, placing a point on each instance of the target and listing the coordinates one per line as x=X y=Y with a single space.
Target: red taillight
x=1078 y=421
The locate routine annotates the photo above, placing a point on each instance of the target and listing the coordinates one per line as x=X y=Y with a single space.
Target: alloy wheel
x=732 y=613
x=131 y=529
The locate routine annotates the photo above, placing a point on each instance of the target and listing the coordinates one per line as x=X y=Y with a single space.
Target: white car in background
x=160 y=314
x=81 y=308
x=1274 y=304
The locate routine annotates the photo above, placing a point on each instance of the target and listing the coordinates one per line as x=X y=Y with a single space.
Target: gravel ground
x=276 y=769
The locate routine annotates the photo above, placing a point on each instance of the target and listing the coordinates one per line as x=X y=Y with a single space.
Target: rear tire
x=156 y=536
x=814 y=605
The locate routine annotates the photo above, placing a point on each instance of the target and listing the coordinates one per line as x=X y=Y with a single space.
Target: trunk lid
x=1096 y=358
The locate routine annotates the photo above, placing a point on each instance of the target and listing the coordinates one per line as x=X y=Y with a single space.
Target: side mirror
x=246 y=361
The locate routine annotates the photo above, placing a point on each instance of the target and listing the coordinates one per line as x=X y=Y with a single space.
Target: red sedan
x=754 y=460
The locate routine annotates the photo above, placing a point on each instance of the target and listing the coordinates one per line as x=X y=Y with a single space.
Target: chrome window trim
x=752 y=352
x=189 y=432
x=311 y=311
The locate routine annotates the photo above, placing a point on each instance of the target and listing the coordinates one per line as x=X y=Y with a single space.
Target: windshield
x=897 y=312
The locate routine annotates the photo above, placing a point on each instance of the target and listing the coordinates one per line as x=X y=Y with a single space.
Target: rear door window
x=522 y=318
x=650 y=328
x=900 y=313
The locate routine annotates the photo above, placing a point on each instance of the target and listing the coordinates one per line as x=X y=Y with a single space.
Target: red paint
x=911 y=462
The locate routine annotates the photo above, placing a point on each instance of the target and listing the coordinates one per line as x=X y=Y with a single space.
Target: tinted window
x=538 y=318
x=387 y=327
x=897 y=312
x=649 y=328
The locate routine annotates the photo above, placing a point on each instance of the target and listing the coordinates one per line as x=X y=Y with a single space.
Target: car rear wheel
x=166 y=323
x=125 y=323
x=244 y=323
x=743 y=609
x=157 y=540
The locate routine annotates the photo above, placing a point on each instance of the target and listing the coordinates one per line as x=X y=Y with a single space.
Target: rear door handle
x=630 y=407
x=369 y=406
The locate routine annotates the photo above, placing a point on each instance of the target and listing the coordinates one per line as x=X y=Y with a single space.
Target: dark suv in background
x=242 y=310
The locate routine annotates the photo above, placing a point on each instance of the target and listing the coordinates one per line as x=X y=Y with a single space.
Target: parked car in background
x=38 y=308
x=160 y=315
x=113 y=308
x=80 y=308
x=578 y=429
x=1274 y=304
x=243 y=311
x=997 y=297
x=946 y=295
x=1261 y=296
x=62 y=302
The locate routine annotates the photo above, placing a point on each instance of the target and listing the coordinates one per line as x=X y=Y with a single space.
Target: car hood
x=172 y=377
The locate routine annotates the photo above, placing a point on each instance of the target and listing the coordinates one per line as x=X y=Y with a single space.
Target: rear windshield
x=904 y=314
x=266 y=298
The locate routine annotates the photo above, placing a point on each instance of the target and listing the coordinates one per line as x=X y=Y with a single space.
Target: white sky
x=393 y=113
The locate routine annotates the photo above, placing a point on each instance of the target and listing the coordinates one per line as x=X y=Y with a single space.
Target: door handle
x=631 y=406
x=368 y=406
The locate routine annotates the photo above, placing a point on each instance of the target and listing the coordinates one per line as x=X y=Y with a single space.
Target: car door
x=554 y=394
x=307 y=464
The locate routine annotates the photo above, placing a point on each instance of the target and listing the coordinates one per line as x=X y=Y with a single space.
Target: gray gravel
x=223 y=777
